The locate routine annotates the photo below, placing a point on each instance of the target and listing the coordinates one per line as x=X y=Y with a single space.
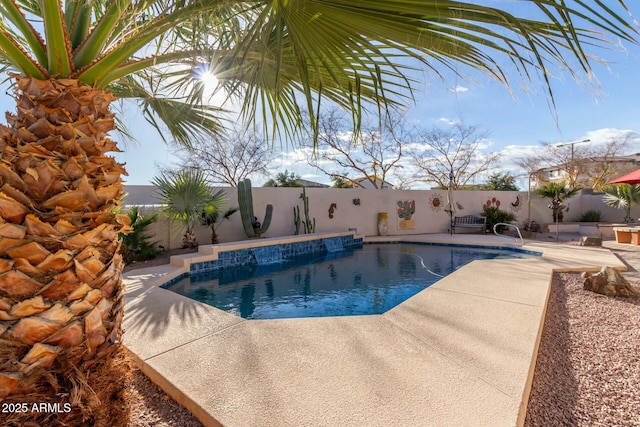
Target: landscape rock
x=590 y=241
x=609 y=281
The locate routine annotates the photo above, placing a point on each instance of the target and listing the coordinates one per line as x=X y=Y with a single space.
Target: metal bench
x=470 y=221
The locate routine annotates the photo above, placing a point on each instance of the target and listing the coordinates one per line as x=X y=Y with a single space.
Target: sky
x=517 y=121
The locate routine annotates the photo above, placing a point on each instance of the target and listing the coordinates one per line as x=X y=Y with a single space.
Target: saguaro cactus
x=309 y=227
x=250 y=222
x=296 y=219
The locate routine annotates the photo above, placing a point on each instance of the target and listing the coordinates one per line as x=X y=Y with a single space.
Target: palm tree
x=213 y=215
x=558 y=192
x=185 y=195
x=622 y=196
x=60 y=282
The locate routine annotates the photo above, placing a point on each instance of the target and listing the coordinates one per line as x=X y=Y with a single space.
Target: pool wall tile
x=267 y=254
x=274 y=253
x=174 y=280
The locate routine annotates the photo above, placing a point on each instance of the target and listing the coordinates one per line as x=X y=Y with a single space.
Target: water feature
x=333 y=244
x=267 y=255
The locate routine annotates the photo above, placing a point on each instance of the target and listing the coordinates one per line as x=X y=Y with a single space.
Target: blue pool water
x=370 y=280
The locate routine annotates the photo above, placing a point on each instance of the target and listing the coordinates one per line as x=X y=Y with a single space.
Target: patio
x=451 y=355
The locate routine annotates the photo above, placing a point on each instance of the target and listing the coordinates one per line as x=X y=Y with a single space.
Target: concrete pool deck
x=461 y=352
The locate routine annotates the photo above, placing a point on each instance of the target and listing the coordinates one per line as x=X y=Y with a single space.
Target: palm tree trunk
x=61 y=294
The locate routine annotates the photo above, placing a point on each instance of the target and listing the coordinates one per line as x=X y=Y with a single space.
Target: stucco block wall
x=429 y=216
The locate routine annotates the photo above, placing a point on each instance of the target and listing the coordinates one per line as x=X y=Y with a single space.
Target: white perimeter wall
x=428 y=218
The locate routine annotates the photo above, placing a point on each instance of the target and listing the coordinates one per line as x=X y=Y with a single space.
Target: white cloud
x=459 y=89
x=485 y=144
x=602 y=136
x=294 y=159
x=448 y=121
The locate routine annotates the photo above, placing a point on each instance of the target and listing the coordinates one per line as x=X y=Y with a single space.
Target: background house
x=589 y=172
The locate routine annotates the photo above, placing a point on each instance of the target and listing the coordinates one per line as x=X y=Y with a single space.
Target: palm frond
x=24 y=29
x=558 y=190
x=622 y=196
x=331 y=49
x=284 y=57
x=58 y=43
x=184 y=120
x=184 y=194
x=214 y=211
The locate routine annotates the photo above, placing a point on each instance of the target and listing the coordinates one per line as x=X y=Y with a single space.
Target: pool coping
x=465 y=340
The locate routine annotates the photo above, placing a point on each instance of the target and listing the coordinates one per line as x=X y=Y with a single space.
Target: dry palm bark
x=61 y=295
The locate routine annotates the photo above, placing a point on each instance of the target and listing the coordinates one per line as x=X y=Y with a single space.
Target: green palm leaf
x=622 y=196
x=184 y=119
x=558 y=190
x=283 y=57
x=185 y=194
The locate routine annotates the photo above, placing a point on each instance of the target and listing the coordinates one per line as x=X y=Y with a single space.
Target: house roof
x=312 y=184
x=366 y=179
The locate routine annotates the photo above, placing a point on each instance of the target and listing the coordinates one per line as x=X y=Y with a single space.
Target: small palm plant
x=212 y=215
x=622 y=196
x=137 y=245
x=558 y=192
x=185 y=195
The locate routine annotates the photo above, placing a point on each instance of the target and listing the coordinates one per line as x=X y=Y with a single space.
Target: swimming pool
x=352 y=281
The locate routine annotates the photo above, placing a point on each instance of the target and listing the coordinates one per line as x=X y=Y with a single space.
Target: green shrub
x=137 y=245
x=495 y=215
x=591 y=216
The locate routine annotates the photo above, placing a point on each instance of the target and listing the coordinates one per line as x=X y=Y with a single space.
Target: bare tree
x=568 y=159
x=230 y=158
x=585 y=165
x=605 y=162
x=372 y=154
x=439 y=151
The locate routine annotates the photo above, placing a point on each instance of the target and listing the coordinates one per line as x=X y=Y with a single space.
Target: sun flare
x=205 y=75
x=210 y=82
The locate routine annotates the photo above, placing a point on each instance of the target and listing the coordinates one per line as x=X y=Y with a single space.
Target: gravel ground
x=588 y=368
x=587 y=372
x=151 y=407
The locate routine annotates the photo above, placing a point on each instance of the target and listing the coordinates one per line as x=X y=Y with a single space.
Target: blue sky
x=517 y=122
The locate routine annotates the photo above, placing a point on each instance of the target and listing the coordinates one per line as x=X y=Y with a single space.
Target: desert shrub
x=137 y=245
x=591 y=216
x=495 y=215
